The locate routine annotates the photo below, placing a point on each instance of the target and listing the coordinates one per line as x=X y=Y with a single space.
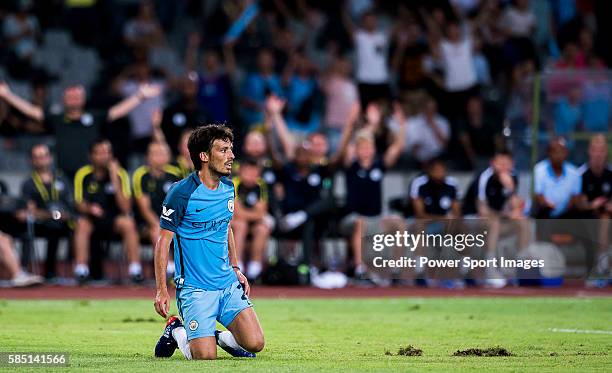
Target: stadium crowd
x=311 y=89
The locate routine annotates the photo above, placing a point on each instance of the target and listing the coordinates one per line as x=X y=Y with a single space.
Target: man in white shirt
x=371 y=55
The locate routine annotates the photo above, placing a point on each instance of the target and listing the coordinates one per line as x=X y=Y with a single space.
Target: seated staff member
x=102 y=196
x=498 y=203
x=48 y=197
x=434 y=197
x=596 y=195
x=151 y=182
x=434 y=194
x=251 y=216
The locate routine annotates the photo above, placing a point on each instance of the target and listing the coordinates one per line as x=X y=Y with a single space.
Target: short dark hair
x=503 y=152
x=250 y=161
x=38 y=145
x=435 y=162
x=96 y=142
x=202 y=139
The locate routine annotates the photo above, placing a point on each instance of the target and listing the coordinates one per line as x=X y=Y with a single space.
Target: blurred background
x=337 y=107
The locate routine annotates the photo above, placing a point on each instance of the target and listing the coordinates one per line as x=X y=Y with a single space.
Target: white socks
x=226 y=339
x=81 y=270
x=293 y=220
x=135 y=269
x=180 y=336
x=254 y=269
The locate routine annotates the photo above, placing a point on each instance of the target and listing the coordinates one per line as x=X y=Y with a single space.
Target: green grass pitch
x=308 y=335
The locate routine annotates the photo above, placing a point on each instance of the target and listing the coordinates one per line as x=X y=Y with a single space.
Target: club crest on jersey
x=230 y=205
x=193 y=325
x=166 y=212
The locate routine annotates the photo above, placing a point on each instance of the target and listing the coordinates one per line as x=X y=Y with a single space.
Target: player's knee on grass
x=254 y=342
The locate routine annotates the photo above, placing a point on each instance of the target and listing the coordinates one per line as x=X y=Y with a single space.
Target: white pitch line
x=580 y=331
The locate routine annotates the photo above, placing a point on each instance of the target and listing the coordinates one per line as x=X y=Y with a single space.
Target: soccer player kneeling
x=210 y=287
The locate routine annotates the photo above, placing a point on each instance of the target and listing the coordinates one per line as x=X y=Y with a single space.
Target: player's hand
x=507 y=181
x=398 y=113
x=113 y=168
x=245 y=283
x=373 y=114
x=274 y=104
x=598 y=202
x=96 y=210
x=149 y=90
x=162 y=303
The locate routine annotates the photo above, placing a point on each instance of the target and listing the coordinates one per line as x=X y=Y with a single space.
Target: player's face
x=437 y=172
x=221 y=157
x=249 y=174
x=41 y=157
x=101 y=155
x=365 y=149
x=557 y=153
x=502 y=164
x=255 y=144
x=318 y=145
x=598 y=152
x=211 y=61
x=74 y=98
x=158 y=155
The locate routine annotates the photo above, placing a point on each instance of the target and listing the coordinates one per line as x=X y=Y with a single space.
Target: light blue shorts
x=201 y=309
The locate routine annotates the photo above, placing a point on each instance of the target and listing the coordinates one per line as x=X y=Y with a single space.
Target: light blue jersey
x=200 y=219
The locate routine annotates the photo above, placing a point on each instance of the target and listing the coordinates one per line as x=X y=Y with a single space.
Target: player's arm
x=395 y=150
x=124 y=107
x=231 y=247
x=143 y=201
x=419 y=208
x=81 y=205
x=347 y=131
x=162 y=298
x=144 y=207
x=28 y=109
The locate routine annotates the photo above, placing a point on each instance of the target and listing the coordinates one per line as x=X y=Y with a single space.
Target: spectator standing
x=371 y=51
x=75 y=122
x=340 y=95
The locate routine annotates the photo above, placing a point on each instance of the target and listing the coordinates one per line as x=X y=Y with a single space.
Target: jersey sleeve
x=137 y=181
x=173 y=209
x=538 y=176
